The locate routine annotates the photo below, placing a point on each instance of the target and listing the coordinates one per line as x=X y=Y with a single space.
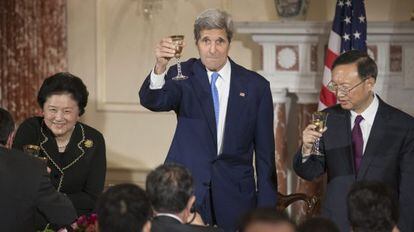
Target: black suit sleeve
x=406 y=199
x=312 y=168
x=94 y=185
x=27 y=133
x=54 y=206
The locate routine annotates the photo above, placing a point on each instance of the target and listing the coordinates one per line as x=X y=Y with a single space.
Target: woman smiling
x=75 y=152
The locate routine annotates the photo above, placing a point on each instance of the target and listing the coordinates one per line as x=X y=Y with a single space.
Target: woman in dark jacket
x=75 y=152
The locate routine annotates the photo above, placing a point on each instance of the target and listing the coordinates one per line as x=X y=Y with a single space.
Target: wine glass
x=35 y=151
x=319 y=120
x=178 y=41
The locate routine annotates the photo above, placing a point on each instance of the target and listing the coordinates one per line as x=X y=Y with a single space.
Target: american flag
x=349 y=32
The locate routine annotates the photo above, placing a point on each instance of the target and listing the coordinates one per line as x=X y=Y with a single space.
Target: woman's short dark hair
x=64 y=83
x=372 y=206
x=123 y=207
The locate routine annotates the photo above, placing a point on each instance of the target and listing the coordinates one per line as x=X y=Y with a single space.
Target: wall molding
x=101 y=76
x=119 y=175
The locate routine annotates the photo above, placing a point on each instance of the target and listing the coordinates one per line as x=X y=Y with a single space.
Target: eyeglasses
x=341 y=89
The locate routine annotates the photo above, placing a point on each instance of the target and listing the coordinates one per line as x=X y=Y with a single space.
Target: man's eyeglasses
x=341 y=89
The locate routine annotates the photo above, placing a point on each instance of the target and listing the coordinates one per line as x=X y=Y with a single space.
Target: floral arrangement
x=82 y=224
x=86 y=223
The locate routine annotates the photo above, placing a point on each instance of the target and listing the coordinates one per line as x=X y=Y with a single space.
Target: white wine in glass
x=319 y=120
x=178 y=41
x=35 y=151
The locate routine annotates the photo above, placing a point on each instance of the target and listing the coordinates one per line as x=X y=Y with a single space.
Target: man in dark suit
x=171 y=192
x=364 y=139
x=224 y=114
x=26 y=187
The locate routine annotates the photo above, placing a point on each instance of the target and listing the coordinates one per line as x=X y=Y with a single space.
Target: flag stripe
x=334 y=43
x=330 y=58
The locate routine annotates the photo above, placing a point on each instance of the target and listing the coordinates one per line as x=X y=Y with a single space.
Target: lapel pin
x=88 y=143
x=242 y=94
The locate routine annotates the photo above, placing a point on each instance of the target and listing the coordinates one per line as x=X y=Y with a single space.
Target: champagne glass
x=35 y=151
x=319 y=120
x=178 y=41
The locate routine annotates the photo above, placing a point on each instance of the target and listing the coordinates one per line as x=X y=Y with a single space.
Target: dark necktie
x=215 y=94
x=357 y=142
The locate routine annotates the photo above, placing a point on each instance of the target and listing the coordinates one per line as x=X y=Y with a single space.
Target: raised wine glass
x=178 y=41
x=319 y=120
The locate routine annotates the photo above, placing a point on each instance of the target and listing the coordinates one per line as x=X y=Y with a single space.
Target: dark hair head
x=123 y=208
x=318 y=224
x=64 y=83
x=213 y=19
x=372 y=207
x=366 y=65
x=169 y=188
x=6 y=125
x=265 y=216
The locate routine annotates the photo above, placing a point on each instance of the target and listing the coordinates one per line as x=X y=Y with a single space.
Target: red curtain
x=33 y=45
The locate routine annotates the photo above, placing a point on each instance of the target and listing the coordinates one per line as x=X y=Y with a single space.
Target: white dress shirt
x=223 y=88
x=170 y=215
x=369 y=117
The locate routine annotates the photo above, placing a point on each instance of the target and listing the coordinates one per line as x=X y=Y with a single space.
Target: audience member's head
x=123 y=208
x=266 y=220
x=318 y=224
x=372 y=208
x=170 y=189
x=6 y=128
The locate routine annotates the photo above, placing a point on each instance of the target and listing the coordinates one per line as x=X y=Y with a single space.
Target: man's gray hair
x=213 y=19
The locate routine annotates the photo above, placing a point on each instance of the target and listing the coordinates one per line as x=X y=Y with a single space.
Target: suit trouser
x=206 y=209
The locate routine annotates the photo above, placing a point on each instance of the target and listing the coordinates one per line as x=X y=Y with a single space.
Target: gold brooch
x=88 y=143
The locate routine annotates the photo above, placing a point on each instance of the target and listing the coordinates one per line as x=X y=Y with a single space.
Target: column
x=307 y=104
x=279 y=104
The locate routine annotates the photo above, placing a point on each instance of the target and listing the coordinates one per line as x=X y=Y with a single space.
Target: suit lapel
x=339 y=135
x=202 y=89
x=236 y=100
x=48 y=143
x=375 y=139
x=76 y=140
x=49 y=146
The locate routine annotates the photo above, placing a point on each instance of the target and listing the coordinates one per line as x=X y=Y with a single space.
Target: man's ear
x=10 y=140
x=371 y=82
x=147 y=226
x=191 y=204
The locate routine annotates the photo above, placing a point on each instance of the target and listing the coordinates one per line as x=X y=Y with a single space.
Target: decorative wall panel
x=32 y=47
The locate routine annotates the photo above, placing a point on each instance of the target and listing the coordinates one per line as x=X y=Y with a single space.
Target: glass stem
x=179 y=67
x=317 y=146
